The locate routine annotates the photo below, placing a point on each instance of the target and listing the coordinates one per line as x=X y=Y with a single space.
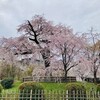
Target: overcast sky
x=79 y=14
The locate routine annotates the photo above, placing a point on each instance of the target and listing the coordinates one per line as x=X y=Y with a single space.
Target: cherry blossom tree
x=38 y=31
x=56 y=40
x=11 y=50
x=92 y=52
x=7 y=56
x=83 y=68
x=67 y=45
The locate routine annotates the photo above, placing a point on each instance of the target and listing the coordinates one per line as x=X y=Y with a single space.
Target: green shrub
x=98 y=88
x=76 y=91
x=28 y=89
x=7 y=83
x=1 y=88
x=75 y=86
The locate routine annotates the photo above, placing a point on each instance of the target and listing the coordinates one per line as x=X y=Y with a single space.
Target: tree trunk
x=46 y=56
x=95 y=76
x=66 y=72
x=82 y=78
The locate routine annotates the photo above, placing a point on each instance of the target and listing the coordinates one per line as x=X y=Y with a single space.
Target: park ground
x=55 y=86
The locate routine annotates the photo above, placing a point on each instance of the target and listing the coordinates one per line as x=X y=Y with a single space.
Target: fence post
x=93 y=95
x=66 y=94
x=74 y=96
x=42 y=95
x=38 y=94
x=50 y=95
x=98 y=93
x=31 y=95
x=6 y=93
x=87 y=95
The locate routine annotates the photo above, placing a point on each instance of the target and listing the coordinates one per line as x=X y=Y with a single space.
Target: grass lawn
x=14 y=86
x=55 y=86
x=60 y=87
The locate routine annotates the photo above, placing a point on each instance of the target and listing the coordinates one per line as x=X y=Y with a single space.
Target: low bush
x=98 y=88
x=31 y=90
x=1 y=88
x=76 y=91
x=7 y=83
x=75 y=86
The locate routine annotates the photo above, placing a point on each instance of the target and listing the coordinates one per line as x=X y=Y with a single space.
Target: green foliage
x=75 y=86
x=28 y=87
x=10 y=70
x=1 y=88
x=76 y=91
x=7 y=70
x=98 y=87
x=29 y=70
x=7 y=83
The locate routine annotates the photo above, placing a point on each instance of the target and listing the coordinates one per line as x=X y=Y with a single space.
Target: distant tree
x=10 y=49
x=93 y=52
x=82 y=69
x=7 y=56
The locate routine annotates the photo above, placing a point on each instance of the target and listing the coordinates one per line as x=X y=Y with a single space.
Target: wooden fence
x=49 y=95
x=49 y=79
x=88 y=79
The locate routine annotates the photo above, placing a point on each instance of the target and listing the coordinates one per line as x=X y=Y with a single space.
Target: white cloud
x=79 y=14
